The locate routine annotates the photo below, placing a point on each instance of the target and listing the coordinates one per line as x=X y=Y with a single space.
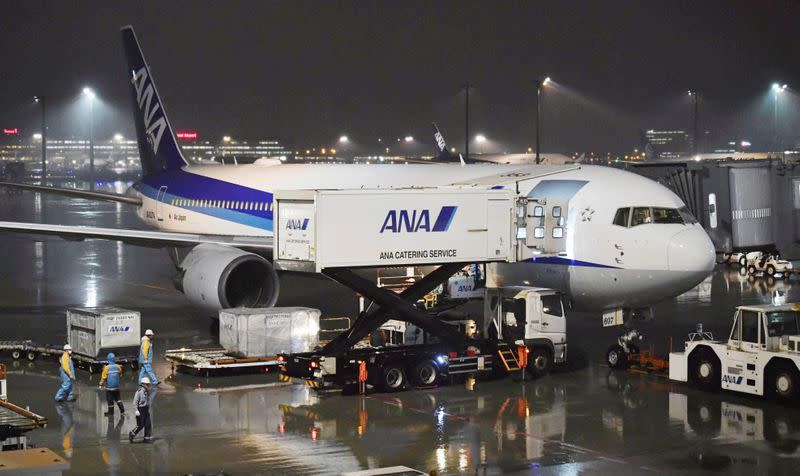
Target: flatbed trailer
x=387 y=369
x=28 y=349
x=216 y=362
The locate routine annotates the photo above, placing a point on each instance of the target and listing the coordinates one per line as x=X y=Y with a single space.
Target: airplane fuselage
x=603 y=265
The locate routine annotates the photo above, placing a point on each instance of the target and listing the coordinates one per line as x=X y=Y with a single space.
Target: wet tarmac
x=584 y=418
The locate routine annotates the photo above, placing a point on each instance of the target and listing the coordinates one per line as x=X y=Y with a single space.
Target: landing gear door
x=546 y=220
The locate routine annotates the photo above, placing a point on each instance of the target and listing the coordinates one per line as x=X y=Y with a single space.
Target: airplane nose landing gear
x=627 y=343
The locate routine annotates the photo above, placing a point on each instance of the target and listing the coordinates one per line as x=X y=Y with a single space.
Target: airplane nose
x=691 y=250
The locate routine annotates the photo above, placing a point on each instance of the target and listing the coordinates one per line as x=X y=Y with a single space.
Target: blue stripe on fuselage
x=567 y=262
x=183 y=185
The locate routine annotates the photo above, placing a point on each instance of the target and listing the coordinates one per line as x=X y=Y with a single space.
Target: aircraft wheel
x=616 y=357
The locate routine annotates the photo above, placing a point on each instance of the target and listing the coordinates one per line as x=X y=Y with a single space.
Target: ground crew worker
x=110 y=376
x=141 y=403
x=67 y=371
x=146 y=357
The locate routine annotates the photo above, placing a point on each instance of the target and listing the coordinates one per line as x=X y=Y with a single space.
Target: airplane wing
x=74 y=192
x=152 y=239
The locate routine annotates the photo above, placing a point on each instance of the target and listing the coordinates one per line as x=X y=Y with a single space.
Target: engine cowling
x=220 y=277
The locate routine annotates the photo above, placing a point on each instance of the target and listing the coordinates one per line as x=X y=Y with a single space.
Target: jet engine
x=219 y=277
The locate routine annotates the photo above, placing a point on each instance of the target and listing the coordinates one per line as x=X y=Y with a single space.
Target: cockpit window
x=641 y=216
x=621 y=218
x=687 y=216
x=667 y=215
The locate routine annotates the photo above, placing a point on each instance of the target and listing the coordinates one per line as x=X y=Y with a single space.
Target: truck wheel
x=783 y=383
x=616 y=357
x=31 y=356
x=705 y=370
x=771 y=270
x=425 y=373
x=15 y=354
x=742 y=261
x=540 y=362
x=751 y=270
x=393 y=378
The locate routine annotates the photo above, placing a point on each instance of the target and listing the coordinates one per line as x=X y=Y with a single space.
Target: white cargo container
x=347 y=228
x=95 y=331
x=263 y=332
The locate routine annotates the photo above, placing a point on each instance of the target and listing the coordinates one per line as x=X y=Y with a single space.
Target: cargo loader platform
x=216 y=362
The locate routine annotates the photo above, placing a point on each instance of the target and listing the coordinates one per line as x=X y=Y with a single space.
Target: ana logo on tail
x=144 y=97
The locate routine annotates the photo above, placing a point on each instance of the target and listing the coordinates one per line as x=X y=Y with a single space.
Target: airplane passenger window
x=556 y=212
x=538 y=211
x=538 y=232
x=667 y=215
x=621 y=218
x=641 y=216
x=558 y=232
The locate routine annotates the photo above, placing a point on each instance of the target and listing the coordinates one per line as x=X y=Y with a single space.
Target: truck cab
x=531 y=316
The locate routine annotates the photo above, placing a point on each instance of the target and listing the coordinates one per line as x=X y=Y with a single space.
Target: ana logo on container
x=412 y=221
x=297 y=224
x=119 y=328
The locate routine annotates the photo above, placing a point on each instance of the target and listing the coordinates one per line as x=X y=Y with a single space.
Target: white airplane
x=626 y=241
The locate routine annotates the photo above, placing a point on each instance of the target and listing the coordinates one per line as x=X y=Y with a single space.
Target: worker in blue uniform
x=146 y=357
x=110 y=377
x=67 y=371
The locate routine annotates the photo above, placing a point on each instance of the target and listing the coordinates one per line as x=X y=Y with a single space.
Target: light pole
x=90 y=94
x=41 y=101
x=695 y=136
x=776 y=90
x=466 y=87
x=540 y=83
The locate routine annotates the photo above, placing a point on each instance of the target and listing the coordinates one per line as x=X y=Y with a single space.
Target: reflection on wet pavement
x=585 y=418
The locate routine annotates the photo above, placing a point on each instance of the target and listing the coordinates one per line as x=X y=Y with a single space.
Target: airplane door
x=159 y=200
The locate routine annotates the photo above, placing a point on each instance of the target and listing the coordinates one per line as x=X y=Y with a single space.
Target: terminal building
x=119 y=156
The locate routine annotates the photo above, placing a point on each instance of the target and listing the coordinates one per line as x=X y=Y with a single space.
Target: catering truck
x=524 y=335
x=340 y=232
x=761 y=355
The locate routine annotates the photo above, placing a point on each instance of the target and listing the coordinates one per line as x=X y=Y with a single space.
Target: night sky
x=307 y=72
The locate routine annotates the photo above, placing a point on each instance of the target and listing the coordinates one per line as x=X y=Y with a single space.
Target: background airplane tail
x=441 y=147
x=158 y=148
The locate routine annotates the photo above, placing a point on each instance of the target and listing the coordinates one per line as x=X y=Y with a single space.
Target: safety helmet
x=148 y=332
x=67 y=347
x=145 y=380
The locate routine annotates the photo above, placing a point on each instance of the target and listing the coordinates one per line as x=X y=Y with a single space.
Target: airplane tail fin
x=158 y=148
x=441 y=147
